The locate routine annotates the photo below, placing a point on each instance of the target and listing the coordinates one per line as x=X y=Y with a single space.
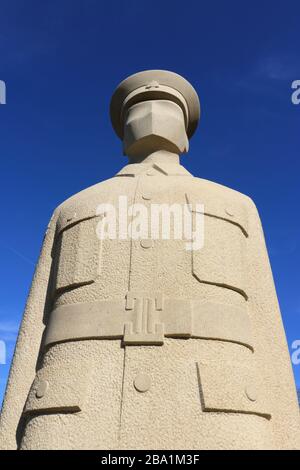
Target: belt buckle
x=145 y=327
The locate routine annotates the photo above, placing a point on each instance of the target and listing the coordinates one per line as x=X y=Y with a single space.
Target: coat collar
x=167 y=169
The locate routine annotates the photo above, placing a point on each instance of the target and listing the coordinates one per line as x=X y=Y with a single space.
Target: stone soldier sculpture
x=140 y=342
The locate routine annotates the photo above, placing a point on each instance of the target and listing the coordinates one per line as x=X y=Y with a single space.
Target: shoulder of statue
x=221 y=201
x=217 y=191
x=82 y=205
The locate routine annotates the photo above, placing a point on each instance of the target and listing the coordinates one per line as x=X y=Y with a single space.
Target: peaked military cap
x=150 y=85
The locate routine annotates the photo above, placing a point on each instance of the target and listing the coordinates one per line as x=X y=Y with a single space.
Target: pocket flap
x=58 y=390
x=72 y=214
x=232 y=387
x=222 y=208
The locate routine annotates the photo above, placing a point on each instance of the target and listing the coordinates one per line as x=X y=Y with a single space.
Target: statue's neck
x=160 y=156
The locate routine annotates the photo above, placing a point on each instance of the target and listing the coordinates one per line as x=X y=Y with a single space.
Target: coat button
x=146 y=243
x=229 y=211
x=146 y=196
x=42 y=388
x=142 y=383
x=251 y=392
x=71 y=217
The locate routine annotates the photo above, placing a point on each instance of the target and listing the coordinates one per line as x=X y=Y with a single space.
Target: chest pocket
x=220 y=260
x=77 y=252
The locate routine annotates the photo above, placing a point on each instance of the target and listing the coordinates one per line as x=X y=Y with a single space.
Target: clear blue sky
x=61 y=60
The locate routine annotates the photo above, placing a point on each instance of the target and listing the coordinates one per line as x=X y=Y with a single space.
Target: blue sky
x=62 y=59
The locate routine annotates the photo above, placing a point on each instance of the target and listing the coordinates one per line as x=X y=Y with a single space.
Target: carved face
x=154 y=125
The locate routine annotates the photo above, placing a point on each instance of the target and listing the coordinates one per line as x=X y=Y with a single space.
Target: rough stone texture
x=213 y=382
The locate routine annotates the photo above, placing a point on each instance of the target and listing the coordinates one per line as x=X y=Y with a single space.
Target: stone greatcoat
x=143 y=344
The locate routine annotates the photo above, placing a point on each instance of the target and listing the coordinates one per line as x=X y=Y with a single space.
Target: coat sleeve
x=271 y=350
x=23 y=368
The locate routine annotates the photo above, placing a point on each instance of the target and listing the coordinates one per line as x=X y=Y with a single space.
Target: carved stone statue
x=136 y=341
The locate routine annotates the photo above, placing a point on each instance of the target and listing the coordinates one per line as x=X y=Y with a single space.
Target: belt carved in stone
x=141 y=319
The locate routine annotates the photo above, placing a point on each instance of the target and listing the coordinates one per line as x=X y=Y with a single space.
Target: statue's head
x=154 y=110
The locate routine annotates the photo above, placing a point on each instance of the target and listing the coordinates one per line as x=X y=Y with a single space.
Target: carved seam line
x=225 y=286
x=225 y=340
x=228 y=220
x=228 y=410
x=53 y=410
x=70 y=287
x=160 y=170
x=125 y=175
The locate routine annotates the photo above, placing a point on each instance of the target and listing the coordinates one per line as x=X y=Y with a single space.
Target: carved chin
x=152 y=143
